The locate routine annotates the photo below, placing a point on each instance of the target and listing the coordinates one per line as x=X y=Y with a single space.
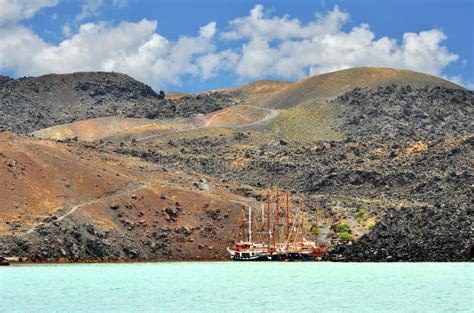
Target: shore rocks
x=409 y=234
x=67 y=239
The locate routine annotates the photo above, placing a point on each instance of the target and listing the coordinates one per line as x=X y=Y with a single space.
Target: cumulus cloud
x=263 y=46
x=15 y=10
x=213 y=63
x=259 y=26
x=132 y=48
x=287 y=48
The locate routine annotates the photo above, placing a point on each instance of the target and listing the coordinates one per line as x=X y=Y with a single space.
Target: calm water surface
x=229 y=287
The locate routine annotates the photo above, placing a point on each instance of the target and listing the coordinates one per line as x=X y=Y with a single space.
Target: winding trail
x=127 y=189
x=268 y=117
x=272 y=113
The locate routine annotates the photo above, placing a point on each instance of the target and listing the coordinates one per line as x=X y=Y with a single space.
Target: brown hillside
x=53 y=190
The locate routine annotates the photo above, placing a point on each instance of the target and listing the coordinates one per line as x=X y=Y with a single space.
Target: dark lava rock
x=32 y=103
x=70 y=238
x=405 y=112
x=172 y=213
x=414 y=234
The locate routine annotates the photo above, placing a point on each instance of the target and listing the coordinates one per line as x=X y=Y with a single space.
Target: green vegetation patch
x=314 y=230
x=345 y=236
x=361 y=216
x=309 y=122
x=343 y=227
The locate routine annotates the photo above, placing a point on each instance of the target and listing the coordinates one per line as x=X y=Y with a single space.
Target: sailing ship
x=274 y=234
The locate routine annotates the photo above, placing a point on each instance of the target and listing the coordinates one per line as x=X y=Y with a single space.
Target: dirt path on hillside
x=269 y=116
x=127 y=189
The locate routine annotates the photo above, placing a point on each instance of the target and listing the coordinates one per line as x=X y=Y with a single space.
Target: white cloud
x=212 y=63
x=263 y=46
x=91 y=8
x=15 y=10
x=208 y=31
x=18 y=45
x=132 y=48
x=286 y=48
x=257 y=26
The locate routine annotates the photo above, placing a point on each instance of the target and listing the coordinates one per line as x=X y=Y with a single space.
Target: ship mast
x=302 y=227
x=287 y=221
x=250 y=224
x=276 y=226
x=262 y=231
x=268 y=220
x=241 y=224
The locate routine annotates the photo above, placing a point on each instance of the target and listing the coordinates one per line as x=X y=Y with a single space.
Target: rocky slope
x=66 y=201
x=345 y=177
x=31 y=103
x=387 y=153
x=440 y=232
x=405 y=112
x=409 y=150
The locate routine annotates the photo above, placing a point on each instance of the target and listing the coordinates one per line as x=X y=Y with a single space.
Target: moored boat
x=275 y=236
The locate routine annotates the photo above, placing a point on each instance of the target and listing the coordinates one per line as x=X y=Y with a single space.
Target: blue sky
x=201 y=45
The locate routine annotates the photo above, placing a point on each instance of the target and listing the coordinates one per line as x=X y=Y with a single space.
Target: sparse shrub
x=342 y=227
x=345 y=236
x=314 y=230
x=371 y=225
x=361 y=213
x=361 y=216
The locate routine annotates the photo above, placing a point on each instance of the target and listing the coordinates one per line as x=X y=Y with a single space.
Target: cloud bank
x=264 y=46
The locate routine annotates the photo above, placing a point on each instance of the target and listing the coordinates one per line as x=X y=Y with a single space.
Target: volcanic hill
x=118 y=172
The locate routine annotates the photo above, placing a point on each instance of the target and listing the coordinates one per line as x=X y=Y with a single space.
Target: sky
x=185 y=45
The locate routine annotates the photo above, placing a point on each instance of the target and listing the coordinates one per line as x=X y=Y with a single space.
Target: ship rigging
x=276 y=235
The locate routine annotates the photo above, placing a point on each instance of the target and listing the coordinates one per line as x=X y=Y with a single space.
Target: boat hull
x=253 y=258
x=278 y=257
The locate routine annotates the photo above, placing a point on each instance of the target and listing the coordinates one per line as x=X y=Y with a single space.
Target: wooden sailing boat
x=275 y=236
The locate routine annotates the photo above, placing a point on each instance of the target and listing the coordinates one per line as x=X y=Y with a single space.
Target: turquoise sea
x=238 y=287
